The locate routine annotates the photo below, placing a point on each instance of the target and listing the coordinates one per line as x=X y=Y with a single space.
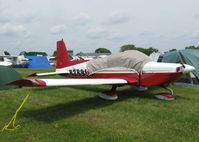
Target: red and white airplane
x=80 y=72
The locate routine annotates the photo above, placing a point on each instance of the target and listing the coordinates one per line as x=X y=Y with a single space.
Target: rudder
x=63 y=57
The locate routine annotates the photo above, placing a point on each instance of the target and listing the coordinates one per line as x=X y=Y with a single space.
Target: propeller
x=182 y=63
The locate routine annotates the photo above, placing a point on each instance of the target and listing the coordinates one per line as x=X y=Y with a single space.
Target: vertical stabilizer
x=63 y=57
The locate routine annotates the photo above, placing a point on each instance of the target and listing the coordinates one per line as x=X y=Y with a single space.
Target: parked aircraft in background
x=91 y=56
x=129 y=67
x=51 y=60
x=13 y=60
x=5 y=63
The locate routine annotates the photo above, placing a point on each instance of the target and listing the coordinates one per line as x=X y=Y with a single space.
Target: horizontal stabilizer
x=46 y=74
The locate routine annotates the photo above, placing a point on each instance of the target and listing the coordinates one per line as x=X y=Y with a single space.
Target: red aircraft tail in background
x=63 y=59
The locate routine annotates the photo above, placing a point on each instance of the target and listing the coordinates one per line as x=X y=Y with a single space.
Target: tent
x=188 y=56
x=7 y=74
x=38 y=62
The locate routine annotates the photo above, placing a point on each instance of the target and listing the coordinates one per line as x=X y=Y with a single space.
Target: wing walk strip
x=66 y=82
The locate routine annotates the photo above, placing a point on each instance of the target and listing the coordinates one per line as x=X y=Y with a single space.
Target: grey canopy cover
x=132 y=59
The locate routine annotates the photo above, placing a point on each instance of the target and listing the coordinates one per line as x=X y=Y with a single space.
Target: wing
x=69 y=82
x=9 y=56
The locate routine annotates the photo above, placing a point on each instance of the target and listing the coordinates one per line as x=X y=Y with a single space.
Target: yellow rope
x=13 y=120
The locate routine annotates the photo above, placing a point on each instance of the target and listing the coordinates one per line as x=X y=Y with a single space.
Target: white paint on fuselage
x=166 y=67
x=160 y=67
x=81 y=66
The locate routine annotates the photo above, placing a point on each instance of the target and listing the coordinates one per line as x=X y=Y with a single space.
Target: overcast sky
x=85 y=25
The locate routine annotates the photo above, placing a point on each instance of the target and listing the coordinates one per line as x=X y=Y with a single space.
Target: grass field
x=77 y=114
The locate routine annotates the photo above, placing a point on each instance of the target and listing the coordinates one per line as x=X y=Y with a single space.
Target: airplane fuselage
x=152 y=74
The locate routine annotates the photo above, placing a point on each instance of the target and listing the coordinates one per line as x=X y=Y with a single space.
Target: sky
x=85 y=25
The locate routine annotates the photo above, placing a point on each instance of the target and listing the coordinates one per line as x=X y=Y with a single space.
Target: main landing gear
x=112 y=95
x=166 y=95
x=109 y=95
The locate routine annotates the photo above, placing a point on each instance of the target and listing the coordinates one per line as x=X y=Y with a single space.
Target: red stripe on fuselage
x=153 y=79
x=145 y=79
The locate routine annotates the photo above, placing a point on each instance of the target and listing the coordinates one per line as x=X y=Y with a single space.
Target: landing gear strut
x=109 y=95
x=166 y=95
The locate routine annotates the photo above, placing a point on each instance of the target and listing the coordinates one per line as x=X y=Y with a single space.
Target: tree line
x=192 y=47
x=123 y=48
x=146 y=51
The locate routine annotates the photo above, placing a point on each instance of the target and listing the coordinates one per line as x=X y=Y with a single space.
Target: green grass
x=76 y=114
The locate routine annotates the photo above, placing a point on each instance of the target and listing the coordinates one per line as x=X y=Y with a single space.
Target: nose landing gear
x=166 y=95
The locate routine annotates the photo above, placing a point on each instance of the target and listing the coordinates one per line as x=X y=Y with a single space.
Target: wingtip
x=28 y=82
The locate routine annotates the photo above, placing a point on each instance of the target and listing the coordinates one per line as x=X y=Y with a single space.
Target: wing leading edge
x=68 y=82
